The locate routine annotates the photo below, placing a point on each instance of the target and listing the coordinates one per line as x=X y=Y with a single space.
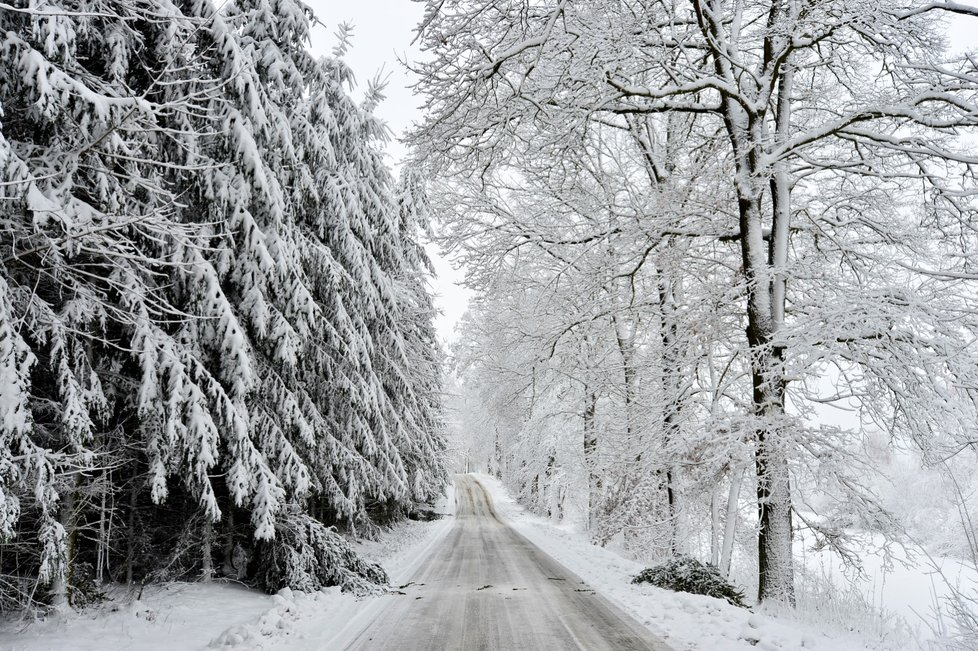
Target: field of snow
x=903 y=588
x=173 y=616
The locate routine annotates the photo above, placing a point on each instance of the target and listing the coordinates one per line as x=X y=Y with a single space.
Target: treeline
x=216 y=334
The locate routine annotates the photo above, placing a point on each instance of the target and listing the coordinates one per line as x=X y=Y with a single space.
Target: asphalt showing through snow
x=485 y=586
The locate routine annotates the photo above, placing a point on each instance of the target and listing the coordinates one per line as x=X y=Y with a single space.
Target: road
x=485 y=586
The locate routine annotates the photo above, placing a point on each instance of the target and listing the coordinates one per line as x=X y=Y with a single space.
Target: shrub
x=686 y=574
x=307 y=555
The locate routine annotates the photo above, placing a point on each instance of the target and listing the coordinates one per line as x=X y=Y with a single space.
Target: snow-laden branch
x=538 y=41
x=950 y=7
x=666 y=92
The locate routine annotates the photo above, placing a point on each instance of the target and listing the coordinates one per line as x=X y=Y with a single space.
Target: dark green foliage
x=307 y=555
x=425 y=514
x=387 y=513
x=686 y=574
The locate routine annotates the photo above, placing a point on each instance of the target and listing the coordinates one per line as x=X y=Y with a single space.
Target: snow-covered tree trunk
x=207 y=551
x=672 y=382
x=625 y=337
x=730 y=521
x=131 y=532
x=60 y=589
x=771 y=440
x=103 y=540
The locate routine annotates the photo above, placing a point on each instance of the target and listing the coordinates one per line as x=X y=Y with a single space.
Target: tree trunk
x=671 y=513
x=131 y=525
x=715 y=526
x=775 y=556
x=552 y=490
x=775 y=566
x=671 y=374
x=748 y=128
x=60 y=597
x=591 y=457
x=764 y=274
x=498 y=457
x=626 y=348
x=206 y=551
x=229 y=567
x=102 y=546
x=730 y=523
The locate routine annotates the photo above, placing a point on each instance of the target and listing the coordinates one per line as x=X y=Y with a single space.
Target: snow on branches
x=812 y=165
x=210 y=293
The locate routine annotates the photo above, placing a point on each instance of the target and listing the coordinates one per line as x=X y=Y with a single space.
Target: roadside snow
x=167 y=617
x=229 y=616
x=684 y=621
x=908 y=583
x=331 y=619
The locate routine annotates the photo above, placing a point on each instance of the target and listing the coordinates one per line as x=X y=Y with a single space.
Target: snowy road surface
x=487 y=587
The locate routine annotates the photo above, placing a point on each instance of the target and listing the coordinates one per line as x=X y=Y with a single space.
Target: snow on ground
x=228 y=616
x=167 y=617
x=684 y=621
x=908 y=583
x=330 y=619
x=900 y=593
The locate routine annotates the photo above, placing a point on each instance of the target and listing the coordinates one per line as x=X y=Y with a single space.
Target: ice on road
x=485 y=586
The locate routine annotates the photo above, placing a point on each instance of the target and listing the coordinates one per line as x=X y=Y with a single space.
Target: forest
x=722 y=256
x=216 y=340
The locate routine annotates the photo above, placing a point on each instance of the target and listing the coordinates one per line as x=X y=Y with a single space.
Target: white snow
x=168 y=617
x=228 y=616
x=906 y=586
x=330 y=619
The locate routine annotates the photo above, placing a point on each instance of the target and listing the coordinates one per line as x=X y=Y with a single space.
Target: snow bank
x=684 y=621
x=905 y=586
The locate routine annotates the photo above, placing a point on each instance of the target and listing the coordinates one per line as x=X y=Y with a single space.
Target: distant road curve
x=487 y=587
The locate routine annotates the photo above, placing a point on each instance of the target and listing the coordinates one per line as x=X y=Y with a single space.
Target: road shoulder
x=330 y=619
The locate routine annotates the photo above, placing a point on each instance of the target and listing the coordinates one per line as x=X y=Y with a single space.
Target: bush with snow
x=686 y=574
x=307 y=555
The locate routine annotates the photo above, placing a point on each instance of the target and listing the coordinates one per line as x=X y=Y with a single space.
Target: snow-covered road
x=485 y=586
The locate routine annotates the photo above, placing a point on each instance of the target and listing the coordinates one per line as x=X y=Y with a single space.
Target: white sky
x=383 y=30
